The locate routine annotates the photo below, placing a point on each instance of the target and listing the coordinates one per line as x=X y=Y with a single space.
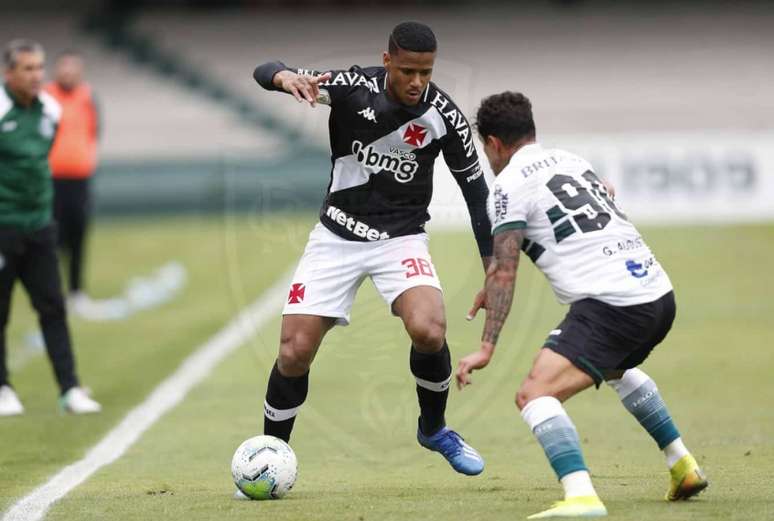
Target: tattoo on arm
x=500 y=282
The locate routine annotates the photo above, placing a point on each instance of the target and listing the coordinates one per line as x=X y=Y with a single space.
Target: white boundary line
x=164 y=397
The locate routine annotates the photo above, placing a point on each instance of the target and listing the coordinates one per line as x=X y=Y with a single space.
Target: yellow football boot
x=687 y=479
x=581 y=506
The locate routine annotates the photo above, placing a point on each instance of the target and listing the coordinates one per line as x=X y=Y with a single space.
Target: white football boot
x=78 y=401
x=240 y=496
x=9 y=402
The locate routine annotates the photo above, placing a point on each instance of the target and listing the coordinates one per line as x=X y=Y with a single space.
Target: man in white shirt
x=550 y=204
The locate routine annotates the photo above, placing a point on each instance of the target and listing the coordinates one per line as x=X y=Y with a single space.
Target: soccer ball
x=264 y=467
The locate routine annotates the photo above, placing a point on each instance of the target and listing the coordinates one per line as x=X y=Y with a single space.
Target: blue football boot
x=462 y=457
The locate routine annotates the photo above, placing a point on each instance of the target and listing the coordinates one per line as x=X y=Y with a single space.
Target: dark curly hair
x=412 y=36
x=507 y=116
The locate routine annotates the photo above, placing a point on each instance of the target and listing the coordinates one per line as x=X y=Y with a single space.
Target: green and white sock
x=640 y=396
x=557 y=435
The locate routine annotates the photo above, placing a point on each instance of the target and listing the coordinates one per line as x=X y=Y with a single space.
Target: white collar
x=528 y=149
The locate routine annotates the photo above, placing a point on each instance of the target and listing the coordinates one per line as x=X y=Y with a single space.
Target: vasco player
x=387 y=126
x=550 y=204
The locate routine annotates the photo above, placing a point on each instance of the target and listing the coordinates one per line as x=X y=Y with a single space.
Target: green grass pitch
x=355 y=436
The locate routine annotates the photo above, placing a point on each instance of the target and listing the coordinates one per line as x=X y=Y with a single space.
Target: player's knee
x=295 y=354
x=526 y=393
x=428 y=335
x=522 y=399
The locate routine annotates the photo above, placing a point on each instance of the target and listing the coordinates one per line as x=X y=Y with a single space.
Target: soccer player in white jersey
x=550 y=204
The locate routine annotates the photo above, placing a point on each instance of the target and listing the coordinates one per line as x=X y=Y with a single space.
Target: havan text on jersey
x=383 y=155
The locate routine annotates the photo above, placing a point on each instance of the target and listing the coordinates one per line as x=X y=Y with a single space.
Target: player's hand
x=302 y=87
x=479 y=302
x=470 y=363
x=609 y=187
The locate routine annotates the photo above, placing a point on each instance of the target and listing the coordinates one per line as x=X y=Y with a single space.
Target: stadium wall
x=662 y=178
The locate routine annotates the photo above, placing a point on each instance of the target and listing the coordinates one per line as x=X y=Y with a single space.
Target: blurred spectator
x=28 y=124
x=73 y=159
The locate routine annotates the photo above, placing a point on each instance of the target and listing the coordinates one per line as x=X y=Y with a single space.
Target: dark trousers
x=31 y=258
x=72 y=209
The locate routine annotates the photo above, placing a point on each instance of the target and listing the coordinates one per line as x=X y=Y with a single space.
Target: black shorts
x=597 y=337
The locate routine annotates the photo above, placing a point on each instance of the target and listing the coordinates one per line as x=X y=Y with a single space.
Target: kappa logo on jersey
x=296 y=295
x=369 y=114
x=400 y=163
x=415 y=135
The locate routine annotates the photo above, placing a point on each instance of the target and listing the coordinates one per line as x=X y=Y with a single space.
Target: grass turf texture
x=358 y=458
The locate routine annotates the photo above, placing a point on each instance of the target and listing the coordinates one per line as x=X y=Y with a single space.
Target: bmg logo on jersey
x=402 y=164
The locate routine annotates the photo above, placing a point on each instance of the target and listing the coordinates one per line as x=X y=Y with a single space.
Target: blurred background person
x=28 y=124
x=73 y=160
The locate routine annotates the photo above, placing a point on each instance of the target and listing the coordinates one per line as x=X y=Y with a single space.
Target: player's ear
x=493 y=143
x=386 y=59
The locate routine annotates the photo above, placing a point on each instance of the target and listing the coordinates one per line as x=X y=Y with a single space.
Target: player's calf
x=289 y=379
x=640 y=396
x=284 y=397
x=556 y=433
x=432 y=372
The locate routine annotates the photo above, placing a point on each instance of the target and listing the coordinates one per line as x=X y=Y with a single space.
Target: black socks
x=433 y=374
x=284 y=396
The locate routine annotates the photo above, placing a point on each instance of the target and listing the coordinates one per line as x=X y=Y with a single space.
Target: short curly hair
x=507 y=116
x=412 y=36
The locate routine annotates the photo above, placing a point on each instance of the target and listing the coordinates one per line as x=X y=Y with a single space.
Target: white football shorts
x=332 y=269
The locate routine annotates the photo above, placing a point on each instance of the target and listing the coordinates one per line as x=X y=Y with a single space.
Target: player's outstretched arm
x=496 y=298
x=461 y=157
x=304 y=87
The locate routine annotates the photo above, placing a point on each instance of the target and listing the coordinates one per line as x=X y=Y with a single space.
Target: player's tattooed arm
x=500 y=283
x=496 y=298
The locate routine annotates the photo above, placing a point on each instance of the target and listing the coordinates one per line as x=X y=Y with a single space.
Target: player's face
x=69 y=71
x=408 y=74
x=25 y=78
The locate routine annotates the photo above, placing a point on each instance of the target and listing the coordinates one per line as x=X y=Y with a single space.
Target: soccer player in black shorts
x=550 y=204
x=387 y=124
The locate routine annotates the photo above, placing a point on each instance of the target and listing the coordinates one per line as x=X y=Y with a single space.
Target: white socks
x=577 y=484
x=674 y=451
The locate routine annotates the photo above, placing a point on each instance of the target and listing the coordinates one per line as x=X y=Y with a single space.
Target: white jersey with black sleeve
x=575 y=233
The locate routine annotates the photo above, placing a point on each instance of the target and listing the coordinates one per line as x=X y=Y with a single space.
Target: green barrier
x=211 y=186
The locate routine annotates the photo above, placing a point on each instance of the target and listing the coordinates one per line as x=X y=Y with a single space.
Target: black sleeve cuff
x=264 y=74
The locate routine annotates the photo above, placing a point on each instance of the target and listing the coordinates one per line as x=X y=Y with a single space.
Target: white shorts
x=332 y=269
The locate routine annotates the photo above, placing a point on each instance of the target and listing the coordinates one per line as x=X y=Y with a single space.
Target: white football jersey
x=575 y=233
